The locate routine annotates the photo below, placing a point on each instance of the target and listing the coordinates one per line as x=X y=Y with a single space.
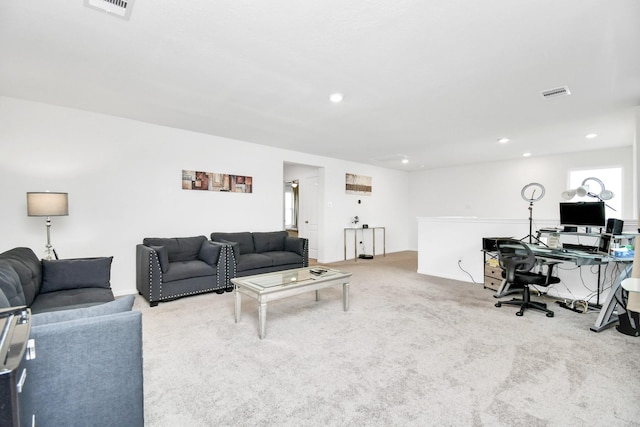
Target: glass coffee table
x=282 y=284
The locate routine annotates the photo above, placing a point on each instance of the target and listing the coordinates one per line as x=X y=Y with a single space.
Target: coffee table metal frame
x=282 y=284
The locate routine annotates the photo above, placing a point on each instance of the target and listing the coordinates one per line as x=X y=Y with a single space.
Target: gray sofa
x=262 y=252
x=170 y=268
x=87 y=368
x=50 y=285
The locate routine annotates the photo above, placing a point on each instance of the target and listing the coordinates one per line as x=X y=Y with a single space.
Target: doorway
x=301 y=211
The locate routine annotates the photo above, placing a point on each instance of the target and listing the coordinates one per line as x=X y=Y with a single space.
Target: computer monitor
x=588 y=214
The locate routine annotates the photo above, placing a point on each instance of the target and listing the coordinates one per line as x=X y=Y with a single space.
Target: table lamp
x=48 y=204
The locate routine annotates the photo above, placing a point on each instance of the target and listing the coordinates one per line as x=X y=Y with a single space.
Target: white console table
x=355 y=240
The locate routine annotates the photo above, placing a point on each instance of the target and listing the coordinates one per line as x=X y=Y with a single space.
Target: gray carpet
x=412 y=351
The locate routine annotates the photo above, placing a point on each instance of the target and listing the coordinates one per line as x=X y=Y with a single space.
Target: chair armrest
x=549 y=266
x=148 y=274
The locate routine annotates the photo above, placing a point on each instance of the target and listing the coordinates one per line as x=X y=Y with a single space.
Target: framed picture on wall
x=358 y=184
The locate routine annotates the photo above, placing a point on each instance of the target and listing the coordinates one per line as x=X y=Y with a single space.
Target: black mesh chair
x=518 y=262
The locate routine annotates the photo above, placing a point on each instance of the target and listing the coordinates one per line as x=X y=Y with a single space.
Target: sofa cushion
x=253 y=261
x=284 y=258
x=163 y=257
x=270 y=241
x=29 y=270
x=71 y=298
x=61 y=274
x=178 y=248
x=121 y=304
x=10 y=285
x=187 y=269
x=244 y=239
x=209 y=252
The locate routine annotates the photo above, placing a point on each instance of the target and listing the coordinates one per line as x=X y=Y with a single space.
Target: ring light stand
x=528 y=193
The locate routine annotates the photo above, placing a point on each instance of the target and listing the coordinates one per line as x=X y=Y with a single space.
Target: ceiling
x=437 y=81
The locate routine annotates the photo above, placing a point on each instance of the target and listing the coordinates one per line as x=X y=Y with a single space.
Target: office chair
x=517 y=262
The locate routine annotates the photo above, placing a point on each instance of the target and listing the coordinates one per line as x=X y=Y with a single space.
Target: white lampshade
x=607 y=195
x=47 y=204
x=582 y=190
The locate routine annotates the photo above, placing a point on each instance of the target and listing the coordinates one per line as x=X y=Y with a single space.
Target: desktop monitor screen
x=590 y=214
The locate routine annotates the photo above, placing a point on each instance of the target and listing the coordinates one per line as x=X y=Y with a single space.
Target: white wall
x=124 y=183
x=492 y=190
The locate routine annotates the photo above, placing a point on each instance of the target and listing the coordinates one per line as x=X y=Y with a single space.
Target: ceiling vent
x=556 y=92
x=119 y=8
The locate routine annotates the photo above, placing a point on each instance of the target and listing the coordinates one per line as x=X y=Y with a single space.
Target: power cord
x=465 y=271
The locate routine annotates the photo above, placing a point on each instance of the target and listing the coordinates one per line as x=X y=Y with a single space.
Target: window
x=612 y=180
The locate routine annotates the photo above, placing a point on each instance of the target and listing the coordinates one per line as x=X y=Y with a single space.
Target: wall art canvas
x=358 y=184
x=210 y=181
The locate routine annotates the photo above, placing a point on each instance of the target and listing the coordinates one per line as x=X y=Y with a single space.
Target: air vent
x=556 y=92
x=119 y=8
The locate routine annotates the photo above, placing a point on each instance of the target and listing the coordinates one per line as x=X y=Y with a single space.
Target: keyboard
x=582 y=248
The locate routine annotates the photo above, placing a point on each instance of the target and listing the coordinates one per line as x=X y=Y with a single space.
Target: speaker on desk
x=614 y=226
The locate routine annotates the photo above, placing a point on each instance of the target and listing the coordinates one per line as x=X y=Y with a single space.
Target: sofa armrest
x=86 y=371
x=299 y=245
x=148 y=274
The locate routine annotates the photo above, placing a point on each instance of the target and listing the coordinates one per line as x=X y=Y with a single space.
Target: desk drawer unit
x=492 y=277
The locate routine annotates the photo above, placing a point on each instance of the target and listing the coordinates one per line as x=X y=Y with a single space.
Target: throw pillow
x=209 y=252
x=61 y=274
x=10 y=285
x=120 y=305
x=163 y=257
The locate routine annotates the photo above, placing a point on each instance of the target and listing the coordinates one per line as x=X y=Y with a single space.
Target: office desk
x=579 y=258
x=607 y=315
x=355 y=240
x=576 y=257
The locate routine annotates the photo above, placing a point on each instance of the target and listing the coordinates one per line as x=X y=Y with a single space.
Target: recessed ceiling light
x=405 y=161
x=336 y=97
x=503 y=140
x=526 y=154
x=591 y=135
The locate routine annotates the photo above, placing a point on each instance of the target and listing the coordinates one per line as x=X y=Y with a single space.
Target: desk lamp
x=48 y=204
x=583 y=190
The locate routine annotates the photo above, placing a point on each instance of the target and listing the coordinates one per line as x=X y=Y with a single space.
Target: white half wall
x=442 y=242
